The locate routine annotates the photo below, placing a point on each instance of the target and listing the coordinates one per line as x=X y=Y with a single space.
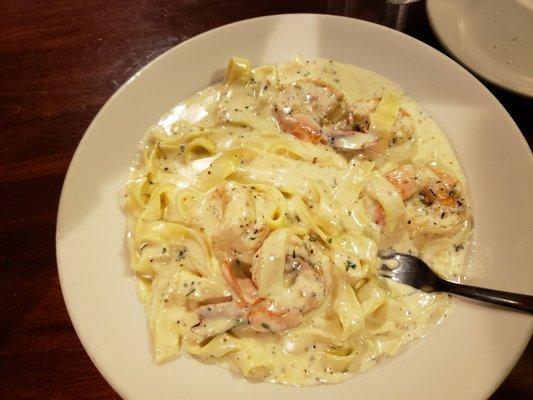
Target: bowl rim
x=476 y=69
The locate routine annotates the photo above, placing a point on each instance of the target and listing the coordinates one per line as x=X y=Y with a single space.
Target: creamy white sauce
x=298 y=355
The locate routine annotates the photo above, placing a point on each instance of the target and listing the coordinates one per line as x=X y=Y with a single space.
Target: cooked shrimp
x=306 y=282
x=379 y=214
x=267 y=317
x=403 y=179
x=312 y=97
x=221 y=317
x=243 y=288
x=434 y=200
x=314 y=111
x=303 y=107
x=238 y=238
x=306 y=279
x=301 y=126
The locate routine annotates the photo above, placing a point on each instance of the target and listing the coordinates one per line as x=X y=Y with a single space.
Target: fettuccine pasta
x=257 y=209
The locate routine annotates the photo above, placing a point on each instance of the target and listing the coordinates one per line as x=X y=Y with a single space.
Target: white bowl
x=464 y=358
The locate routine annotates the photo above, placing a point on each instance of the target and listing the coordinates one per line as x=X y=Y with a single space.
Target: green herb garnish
x=350 y=265
x=181 y=253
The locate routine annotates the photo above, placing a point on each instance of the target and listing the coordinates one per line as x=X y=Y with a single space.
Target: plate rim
x=108 y=103
x=471 y=67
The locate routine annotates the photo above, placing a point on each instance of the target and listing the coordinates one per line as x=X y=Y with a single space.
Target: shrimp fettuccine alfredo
x=257 y=208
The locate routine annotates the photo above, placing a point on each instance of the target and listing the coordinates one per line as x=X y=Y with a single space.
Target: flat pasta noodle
x=254 y=234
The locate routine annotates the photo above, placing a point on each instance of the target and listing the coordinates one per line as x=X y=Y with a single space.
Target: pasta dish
x=257 y=208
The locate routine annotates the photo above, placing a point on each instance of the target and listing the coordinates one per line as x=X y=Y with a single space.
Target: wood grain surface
x=59 y=62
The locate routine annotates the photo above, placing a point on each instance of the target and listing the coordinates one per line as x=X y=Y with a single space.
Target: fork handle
x=518 y=301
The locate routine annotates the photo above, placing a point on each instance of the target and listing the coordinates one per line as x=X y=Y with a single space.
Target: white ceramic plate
x=493 y=38
x=464 y=358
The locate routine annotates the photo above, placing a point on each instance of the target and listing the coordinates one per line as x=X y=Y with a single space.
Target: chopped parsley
x=350 y=265
x=181 y=253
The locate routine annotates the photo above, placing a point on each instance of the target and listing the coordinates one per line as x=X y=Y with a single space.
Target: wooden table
x=59 y=62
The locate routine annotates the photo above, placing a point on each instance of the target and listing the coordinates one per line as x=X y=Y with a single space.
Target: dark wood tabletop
x=59 y=62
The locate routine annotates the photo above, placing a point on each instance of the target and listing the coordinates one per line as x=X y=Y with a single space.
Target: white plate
x=493 y=38
x=465 y=358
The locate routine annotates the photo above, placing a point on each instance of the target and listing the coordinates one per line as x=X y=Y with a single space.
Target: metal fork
x=414 y=272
